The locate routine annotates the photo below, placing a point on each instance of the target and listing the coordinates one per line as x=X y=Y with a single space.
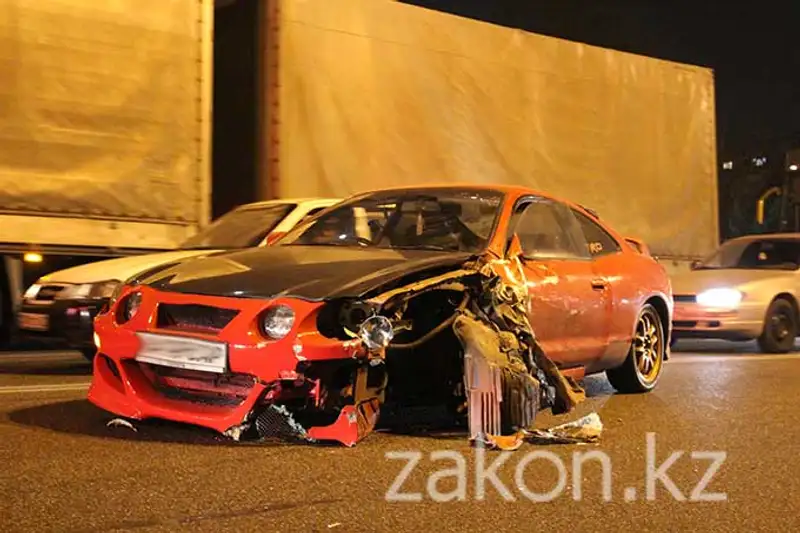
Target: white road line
x=700 y=358
x=21 y=389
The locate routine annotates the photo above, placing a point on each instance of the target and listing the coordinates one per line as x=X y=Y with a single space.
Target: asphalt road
x=64 y=470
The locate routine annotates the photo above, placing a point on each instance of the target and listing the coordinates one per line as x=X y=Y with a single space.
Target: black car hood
x=307 y=272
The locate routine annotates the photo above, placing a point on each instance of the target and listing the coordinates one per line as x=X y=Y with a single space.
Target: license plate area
x=182 y=352
x=33 y=321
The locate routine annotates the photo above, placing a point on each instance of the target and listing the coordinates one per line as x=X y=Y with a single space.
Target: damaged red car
x=476 y=305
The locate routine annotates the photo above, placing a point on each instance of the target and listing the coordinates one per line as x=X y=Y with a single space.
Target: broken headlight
x=129 y=306
x=376 y=332
x=277 y=322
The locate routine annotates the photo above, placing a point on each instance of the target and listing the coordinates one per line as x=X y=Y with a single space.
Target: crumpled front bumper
x=137 y=390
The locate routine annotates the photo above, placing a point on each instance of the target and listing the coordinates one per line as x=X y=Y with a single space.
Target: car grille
x=685 y=298
x=192 y=317
x=193 y=386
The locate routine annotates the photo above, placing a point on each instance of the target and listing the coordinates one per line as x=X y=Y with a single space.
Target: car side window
x=548 y=230
x=599 y=241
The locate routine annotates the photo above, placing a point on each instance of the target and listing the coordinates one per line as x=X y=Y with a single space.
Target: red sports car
x=484 y=304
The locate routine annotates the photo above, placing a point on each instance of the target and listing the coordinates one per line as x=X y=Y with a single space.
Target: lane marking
x=21 y=389
x=700 y=358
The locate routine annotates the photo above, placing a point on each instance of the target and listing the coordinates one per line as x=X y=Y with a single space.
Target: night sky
x=754 y=49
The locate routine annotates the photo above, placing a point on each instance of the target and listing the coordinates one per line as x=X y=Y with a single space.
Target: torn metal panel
x=501 y=393
x=413 y=289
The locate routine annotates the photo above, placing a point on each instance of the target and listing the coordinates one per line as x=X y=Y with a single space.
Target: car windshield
x=776 y=254
x=241 y=228
x=445 y=219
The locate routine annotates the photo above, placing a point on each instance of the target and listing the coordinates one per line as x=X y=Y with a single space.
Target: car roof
x=511 y=190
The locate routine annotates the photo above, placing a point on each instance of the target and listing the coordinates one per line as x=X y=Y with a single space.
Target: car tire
x=89 y=354
x=642 y=368
x=780 y=328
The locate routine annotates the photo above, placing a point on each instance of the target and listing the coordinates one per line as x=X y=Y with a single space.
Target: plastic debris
x=121 y=422
x=582 y=431
x=236 y=432
x=277 y=422
x=506 y=443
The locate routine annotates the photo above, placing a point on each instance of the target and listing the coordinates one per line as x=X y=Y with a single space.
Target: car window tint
x=599 y=241
x=547 y=229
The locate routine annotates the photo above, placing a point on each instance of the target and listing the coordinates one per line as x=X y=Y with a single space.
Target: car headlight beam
x=723 y=298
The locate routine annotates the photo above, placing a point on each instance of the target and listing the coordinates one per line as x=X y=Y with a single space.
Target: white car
x=61 y=306
x=749 y=289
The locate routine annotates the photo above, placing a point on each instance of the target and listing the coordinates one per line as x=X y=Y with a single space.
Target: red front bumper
x=137 y=390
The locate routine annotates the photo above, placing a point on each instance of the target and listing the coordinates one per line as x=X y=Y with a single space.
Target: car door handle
x=599 y=284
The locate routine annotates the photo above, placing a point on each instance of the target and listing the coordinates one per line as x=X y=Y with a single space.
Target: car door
x=609 y=267
x=567 y=307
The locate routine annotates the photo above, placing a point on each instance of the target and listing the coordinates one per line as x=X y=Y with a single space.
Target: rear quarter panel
x=635 y=279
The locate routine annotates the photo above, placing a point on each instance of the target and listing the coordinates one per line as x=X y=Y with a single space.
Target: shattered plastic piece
x=236 y=432
x=121 y=422
x=582 y=431
x=277 y=422
x=506 y=443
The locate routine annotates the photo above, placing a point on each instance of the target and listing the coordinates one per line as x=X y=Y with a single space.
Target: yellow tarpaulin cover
x=377 y=93
x=100 y=108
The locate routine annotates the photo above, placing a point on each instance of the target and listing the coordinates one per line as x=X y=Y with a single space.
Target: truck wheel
x=780 y=328
x=642 y=368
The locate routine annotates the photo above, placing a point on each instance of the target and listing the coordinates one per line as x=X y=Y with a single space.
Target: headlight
x=721 y=298
x=75 y=292
x=32 y=291
x=130 y=306
x=105 y=289
x=277 y=322
x=376 y=333
x=83 y=291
